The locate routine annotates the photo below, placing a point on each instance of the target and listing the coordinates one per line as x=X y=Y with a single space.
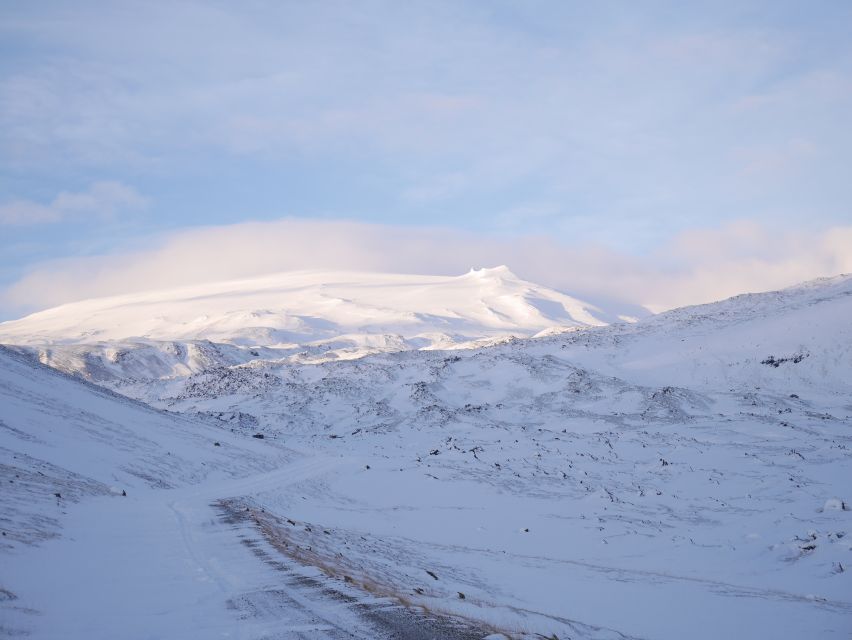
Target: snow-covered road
x=166 y=564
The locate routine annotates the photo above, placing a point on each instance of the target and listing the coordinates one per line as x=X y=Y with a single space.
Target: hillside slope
x=684 y=476
x=109 y=531
x=785 y=341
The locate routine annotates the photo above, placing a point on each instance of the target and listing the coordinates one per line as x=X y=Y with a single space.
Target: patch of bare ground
x=391 y=613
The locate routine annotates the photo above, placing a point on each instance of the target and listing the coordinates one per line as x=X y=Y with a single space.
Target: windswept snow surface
x=304 y=316
x=109 y=528
x=687 y=476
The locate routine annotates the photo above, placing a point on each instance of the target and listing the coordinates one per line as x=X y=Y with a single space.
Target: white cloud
x=100 y=200
x=698 y=266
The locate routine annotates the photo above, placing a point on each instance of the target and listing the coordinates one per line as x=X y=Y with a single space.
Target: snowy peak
x=305 y=317
x=302 y=307
x=306 y=307
x=495 y=274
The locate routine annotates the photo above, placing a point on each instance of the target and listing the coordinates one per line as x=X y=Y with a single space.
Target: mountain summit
x=304 y=316
x=302 y=307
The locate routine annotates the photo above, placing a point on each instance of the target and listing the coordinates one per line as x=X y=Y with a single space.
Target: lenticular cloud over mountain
x=702 y=265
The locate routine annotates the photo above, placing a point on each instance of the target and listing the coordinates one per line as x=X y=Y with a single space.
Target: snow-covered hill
x=779 y=341
x=107 y=529
x=687 y=475
x=698 y=460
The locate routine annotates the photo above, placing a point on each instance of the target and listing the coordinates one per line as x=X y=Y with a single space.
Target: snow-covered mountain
x=303 y=316
x=302 y=307
x=687 y=475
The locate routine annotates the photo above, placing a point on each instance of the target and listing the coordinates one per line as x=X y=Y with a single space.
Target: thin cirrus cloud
x=698 y=266
x=101 y=200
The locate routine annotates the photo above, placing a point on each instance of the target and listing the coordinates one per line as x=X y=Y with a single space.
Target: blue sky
x=610 y=127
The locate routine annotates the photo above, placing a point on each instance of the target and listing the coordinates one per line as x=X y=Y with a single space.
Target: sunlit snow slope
x=303 y=316
x=306 y=306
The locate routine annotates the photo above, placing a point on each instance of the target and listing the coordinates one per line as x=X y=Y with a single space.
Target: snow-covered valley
x=687 y=475
x=110 y=527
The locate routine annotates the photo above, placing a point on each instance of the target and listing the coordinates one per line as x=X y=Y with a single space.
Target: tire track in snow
x=198 y=500
x=322 y=610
